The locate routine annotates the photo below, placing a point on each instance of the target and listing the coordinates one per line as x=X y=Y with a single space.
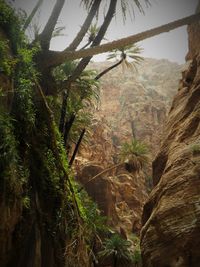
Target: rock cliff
x=171 y=218
x=137 y=102
x=132 y=104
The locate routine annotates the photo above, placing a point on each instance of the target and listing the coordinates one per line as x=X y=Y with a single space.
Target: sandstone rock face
x=135 y=103
x=171 y=218
x=132 y=103
x=120 y=195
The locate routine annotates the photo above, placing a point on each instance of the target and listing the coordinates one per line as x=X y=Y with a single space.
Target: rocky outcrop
x=120 y=195
x=135 y=103
x=171 y=218
x=132 y=103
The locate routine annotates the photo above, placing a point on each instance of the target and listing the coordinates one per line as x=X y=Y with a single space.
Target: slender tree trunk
x=88 y=43
x=85 y=26
x=76 y=148
x=30 y=17
x=104 y=171
x=108 y=69
x=115 y=261
x=133 y=129
x=54 y=58
x=84 y=62
x=46 y=35
x=68 y=126
x=63 y=112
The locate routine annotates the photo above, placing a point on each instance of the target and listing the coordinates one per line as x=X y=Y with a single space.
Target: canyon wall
x=171 y=219
x=132 y=104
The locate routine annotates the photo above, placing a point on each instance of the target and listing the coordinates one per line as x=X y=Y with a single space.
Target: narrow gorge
x=99 y=161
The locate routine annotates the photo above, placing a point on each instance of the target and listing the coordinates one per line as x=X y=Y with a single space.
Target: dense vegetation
x=46 y=219
x=35 y=173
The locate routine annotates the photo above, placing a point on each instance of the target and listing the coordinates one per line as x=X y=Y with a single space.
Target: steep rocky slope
x=137 y=102
x=171 y=219
x=132 y=103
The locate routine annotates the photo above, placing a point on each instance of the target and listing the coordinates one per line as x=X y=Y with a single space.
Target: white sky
x=172 y=45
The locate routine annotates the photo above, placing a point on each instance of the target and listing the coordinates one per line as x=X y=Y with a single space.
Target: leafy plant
x=11 y=24
x=136 y=252
x=195 y=148
x=7 y=63
x=128 y=55
x=117 y=248
x=135 y=151
x=91 y=34
x=82 y=98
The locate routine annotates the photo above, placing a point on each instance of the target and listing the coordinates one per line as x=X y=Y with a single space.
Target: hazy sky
x=172 y=45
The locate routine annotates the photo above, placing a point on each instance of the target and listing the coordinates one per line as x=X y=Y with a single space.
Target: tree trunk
x=46 y=35
x=63 y=112
x=30 y=17
x=108 y=69
x=76 y=148
x=68 y=126
x=54 y=58
x=104 y=171
x=84 y=62
x=115 y=261
x=84 y=27
x=88 y=43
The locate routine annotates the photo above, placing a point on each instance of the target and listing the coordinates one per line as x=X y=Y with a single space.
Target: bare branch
x=56 y=58
x=46 y=35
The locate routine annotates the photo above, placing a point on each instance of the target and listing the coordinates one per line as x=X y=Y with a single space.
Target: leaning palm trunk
x=76 y=148
x=108 y=69
x=56 y=58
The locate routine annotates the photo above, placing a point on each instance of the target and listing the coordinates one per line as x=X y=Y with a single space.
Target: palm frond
x=57 y=31
x=130 y=5
x=117 y=247
x=136 y=152
x=130 y=51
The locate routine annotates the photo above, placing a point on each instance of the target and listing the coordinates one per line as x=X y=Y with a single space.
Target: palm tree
x=122 y=54
x=135 y=153
x=55 y=58
x=117 y=248
x=91 y=34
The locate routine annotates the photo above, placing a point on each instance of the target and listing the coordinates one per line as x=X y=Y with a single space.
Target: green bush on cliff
x=135 y=151
x=11 y=25
x=117 y=248
x=13 y=173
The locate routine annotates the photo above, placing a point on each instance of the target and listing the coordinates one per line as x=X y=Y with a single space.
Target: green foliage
x=130 y=55
x=26 y=202
x=195 y=148
x=50 y=173
x=7 y=63
x=136 y=251
x=11 y=24
x=95 y=223
x=25 y=87
x=83 y=97
x=8 y=144
x=135 y=151
x=118 y=248
x=129 y=7
x=13 y=173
